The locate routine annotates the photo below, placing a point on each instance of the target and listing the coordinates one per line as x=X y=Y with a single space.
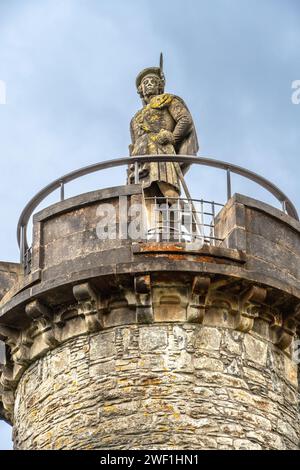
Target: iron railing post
x=62 y=190
x=283 y=203
x=22 y=244
x=136 y=172
x=228 y=183
x=213 y=222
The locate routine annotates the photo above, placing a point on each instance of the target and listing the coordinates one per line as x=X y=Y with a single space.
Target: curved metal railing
x=59 y=183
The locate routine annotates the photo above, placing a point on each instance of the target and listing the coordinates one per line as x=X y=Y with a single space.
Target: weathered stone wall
x=66 y=232
x=9 y=276
x=268 y=236
x=180 y=385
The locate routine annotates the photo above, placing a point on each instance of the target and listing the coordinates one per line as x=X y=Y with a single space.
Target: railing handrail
x=188 y=159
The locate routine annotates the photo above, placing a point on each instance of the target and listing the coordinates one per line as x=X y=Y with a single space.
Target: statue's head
x=150 y=82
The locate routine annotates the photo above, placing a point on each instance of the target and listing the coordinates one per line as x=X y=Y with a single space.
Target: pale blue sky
x=70 y=67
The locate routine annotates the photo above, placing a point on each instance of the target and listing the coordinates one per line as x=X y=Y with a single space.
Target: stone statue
x=163 y=126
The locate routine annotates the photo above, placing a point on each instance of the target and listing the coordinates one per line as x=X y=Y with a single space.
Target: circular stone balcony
x=236 y=271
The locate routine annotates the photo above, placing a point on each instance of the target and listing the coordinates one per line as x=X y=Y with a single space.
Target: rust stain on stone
x=166 y=247
x=188 y=257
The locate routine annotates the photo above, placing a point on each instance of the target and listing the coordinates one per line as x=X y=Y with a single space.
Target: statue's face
x=150 y=85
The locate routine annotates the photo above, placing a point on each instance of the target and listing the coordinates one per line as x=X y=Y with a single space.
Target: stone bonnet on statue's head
x=151 y=81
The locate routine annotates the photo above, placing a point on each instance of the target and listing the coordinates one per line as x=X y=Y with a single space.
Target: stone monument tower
x=183 y=337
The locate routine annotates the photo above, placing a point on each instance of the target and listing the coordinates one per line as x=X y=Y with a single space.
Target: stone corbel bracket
x=3 y=413
x=89 y=306
x=297 y=319
x=249 y=305
x=19 y=343
x=42 y=317
x=7 y=387
x=7 y=381
x=286 y=334
x=282 y=330
x=198 y=299
x=144 y=308
x=10 y=336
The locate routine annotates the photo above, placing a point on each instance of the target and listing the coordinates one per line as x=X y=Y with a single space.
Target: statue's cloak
x=164 y=113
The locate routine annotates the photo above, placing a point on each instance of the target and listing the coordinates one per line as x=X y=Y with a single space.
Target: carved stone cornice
x=224 y=302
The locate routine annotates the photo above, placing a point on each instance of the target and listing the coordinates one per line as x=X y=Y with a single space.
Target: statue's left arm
x=183 y=119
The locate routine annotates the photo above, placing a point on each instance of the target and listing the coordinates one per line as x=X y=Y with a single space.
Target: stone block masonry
x=160 y=386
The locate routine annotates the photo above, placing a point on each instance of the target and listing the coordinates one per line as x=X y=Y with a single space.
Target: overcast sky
x=70 y=65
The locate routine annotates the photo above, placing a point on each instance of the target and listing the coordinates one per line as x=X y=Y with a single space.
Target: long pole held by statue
x=188 y=196
x=178 y=168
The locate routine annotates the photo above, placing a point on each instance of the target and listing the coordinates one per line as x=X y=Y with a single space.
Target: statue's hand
x=165 y=137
